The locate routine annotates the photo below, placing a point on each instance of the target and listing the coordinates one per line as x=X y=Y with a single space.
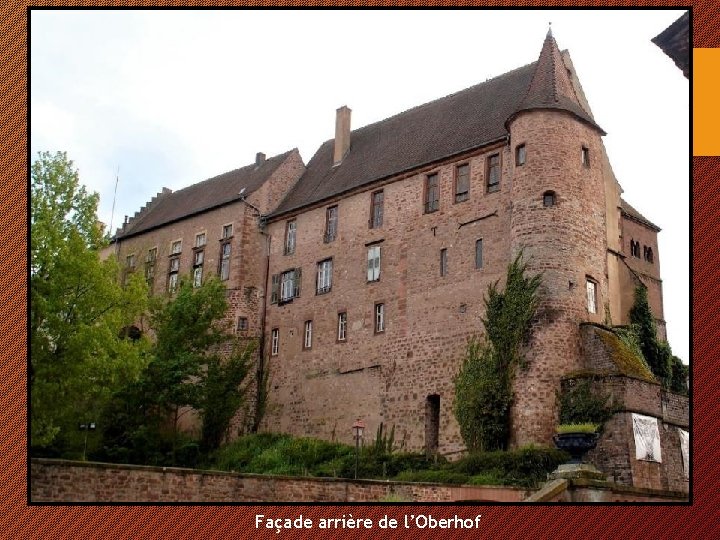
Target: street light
x=358 y=428
x=89 y=426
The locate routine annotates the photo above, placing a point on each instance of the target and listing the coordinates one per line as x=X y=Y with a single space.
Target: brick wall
x=68 y=481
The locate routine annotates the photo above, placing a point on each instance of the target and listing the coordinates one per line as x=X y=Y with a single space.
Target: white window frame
x=274 y=341
x=290 y=237
x=591 y=293
x=307 y=341
x=226 y=231
x=172 y=282
x=175 y=247
x=324 y=276
x=342 y=326
x=373 y=263
x=379 y=318
x=225 y=261
x=200 y=239
x=287 y=285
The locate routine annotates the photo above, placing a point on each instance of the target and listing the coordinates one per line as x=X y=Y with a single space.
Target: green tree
x=483 y=387
x=657 y=353
x=196 y=364
x=77 y=308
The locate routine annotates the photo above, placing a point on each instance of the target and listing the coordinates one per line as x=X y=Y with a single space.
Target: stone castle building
x=363 y=272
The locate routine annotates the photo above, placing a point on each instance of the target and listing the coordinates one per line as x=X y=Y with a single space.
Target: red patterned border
x=17 y=520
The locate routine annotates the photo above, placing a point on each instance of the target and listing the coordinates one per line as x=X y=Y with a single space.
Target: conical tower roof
x=551 y=87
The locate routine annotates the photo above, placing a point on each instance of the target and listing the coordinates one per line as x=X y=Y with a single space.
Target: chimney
x=259 y=159
x=342 y=134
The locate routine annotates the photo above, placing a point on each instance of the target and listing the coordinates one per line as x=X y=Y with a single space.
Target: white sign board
x=647 y=438
x=685 y=451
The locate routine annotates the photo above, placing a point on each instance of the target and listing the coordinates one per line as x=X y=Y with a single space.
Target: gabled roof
x=675 y=42
x=633 y=214
x=469 y=119
x=203 y=196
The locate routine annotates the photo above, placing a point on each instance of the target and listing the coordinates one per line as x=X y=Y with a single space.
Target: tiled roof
x=216 y=191
x=675 y=42
x=629 y=211
x=442 y=128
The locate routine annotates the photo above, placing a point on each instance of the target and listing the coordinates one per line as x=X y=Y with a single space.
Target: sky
x=167 y=98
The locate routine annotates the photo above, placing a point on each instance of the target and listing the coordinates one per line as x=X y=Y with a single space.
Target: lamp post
x=358 y=428
x=88 y=426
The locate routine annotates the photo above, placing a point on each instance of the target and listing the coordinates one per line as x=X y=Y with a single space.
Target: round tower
x=558 y=222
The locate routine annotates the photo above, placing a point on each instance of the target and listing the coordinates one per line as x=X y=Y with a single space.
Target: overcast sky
x=174 y=97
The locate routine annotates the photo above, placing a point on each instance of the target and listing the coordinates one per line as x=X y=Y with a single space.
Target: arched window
x=549 y=198
x=648 y=254
x=635 y=248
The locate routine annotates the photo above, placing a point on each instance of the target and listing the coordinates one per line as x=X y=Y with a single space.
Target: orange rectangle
x=706 y=102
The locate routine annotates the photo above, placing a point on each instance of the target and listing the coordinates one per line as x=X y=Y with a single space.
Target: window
x=176 y=247
x=286 y=286
x=591 y=287
x=493 y=173
x=549 y=198
x=462 y=182
x=173 y=270
x=635 y=248
x=479 y=253
x=227 y=231
x=647 y=253
x=274 y=341
x=432 y=193
x=379 y=318
x=520 y=155
x=443 y=262
x=242 y=324
x=373 y=263
x=130 y=262
x=331 y=223
x=289 y=285
x=290 y=230
x=198 y=267
x=200 y=240
x=324 y=276
x=342 y=326
x=150 y=260
x=225 y=251
x=585 y=156
x=307 y=341
x=376 y=210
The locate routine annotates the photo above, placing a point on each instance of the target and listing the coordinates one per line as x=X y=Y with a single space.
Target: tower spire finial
x=549 y=32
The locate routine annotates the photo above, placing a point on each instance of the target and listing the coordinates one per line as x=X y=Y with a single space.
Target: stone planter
x=576 y=444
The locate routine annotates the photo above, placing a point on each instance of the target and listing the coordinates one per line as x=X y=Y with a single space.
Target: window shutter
x=370 y=265
x=377 y=262
x=275 y=288
x=297 y=281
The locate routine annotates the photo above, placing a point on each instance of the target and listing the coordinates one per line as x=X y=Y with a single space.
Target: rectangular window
x=462 y=182
x=373 y=263
x=227 y=231
x=376 y=210
x=307 y=341
x=591 y=295
x=479 y=253
x=519 y=155
x=585 y=156
x=432 y=193
x=225 y=251
x=242 y=324
x=200 y=240
x=173 y=270
x=287 y=286
x=324 y=276
x=172 y=283
x=493 y=173
x=198 y=267
x=331 y=223
x=443 y=262
x=175 y=264
x=176 y=247
x=379 y=318
x=150 y=260
x=342 y=326
x=130 y=262
x=274 y=341
x=290 y=229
